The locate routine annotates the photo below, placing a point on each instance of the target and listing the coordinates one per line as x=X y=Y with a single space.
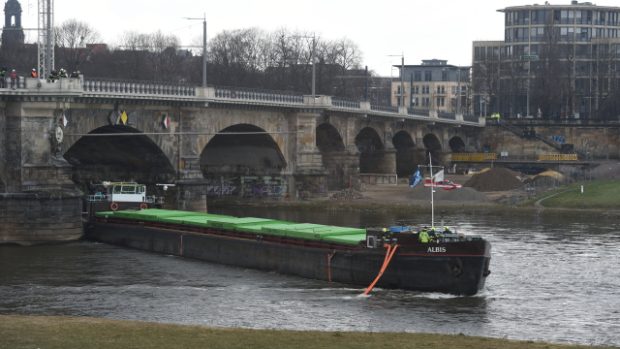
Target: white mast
x=430 y=166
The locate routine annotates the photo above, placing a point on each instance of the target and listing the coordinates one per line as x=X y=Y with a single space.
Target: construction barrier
x=474 y=157
x=558 y=157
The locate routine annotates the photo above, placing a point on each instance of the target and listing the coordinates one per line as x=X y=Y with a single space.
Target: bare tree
x=72 y=38
x=148 y=56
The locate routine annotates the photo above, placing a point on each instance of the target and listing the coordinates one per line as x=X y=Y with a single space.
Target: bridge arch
x=113 y=157
x=432 y=146
x=371 y=149
x=457 y=145
x=406 y=160
x=328 y=139
x=247 y=162
x=247 y=150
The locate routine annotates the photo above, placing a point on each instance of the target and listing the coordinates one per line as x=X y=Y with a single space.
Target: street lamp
x=312 y=59
x=204 y=46
x=402 y=82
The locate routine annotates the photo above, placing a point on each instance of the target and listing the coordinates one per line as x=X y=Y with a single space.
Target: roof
x=546 y=5
x=431 y=66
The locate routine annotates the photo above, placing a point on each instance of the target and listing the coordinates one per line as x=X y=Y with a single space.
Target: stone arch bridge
x=75 y=131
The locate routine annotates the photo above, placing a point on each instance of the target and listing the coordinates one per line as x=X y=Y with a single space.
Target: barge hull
x=456 y=274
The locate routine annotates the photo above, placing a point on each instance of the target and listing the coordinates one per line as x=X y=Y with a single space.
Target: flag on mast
x=438 y=177
x=415 y=178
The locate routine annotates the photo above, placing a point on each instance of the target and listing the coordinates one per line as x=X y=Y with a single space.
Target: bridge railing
x=470 y=118
x=558 y=157
x=473 y=157
x=339 y=102
x=418 y=111
x=446 y=115
x=138 y=87
x=258 y=95
x=385 y=108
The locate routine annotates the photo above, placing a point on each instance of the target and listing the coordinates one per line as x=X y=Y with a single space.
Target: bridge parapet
x=140 y=90
x=384 y=108
x=136 y=88
x=345 y=103
x=415 y=111
x=243 y=94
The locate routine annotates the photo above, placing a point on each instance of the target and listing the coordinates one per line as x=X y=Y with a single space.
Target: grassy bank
x=70 y=332
x=596 y=195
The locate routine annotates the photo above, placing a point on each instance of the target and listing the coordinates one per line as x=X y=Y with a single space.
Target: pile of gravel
x=495 y=179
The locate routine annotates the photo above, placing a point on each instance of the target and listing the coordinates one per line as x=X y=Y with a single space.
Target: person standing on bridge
x=34 y=74
x=3 y=77
x=53 y=76
x=496 y=116
x=13 y=77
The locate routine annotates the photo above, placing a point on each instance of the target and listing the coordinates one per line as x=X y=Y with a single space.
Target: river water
x=554 y=278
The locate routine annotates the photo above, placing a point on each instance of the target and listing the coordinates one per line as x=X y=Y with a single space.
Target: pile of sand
x=547 y=178
x=495 y=179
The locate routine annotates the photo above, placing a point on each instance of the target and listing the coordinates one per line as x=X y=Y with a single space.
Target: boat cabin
x=126 y=192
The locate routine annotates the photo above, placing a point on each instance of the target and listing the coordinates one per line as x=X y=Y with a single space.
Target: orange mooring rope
x=386 y=261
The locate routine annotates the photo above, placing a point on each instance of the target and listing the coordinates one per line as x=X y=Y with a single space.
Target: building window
x=417 y=75
x=440 y=101
x=428 y=76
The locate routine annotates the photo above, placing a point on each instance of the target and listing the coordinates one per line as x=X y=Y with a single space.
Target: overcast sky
x=383 y=29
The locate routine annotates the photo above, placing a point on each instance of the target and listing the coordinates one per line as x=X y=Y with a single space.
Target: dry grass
x=50 y=332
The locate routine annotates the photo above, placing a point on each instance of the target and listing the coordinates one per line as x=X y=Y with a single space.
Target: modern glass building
x=556 y=61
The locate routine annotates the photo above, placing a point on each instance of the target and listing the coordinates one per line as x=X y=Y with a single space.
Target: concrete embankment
x=42 y=217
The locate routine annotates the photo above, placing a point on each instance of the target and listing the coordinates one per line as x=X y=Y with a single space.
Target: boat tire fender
x=144 y=206
x=114 y=206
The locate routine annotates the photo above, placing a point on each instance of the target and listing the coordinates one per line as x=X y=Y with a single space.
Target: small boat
x=121 y=195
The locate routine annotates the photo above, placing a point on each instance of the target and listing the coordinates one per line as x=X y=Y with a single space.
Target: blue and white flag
x=415 y=178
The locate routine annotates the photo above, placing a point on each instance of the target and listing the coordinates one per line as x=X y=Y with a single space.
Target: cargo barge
x=394 y=258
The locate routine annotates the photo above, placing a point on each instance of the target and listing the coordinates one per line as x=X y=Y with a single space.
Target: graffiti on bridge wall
x=247 y=186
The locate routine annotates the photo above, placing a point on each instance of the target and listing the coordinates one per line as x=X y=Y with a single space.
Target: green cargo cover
x=307 y=231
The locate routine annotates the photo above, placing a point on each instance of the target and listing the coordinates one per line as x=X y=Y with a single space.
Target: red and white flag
x=165 y=121
x=438 y=177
